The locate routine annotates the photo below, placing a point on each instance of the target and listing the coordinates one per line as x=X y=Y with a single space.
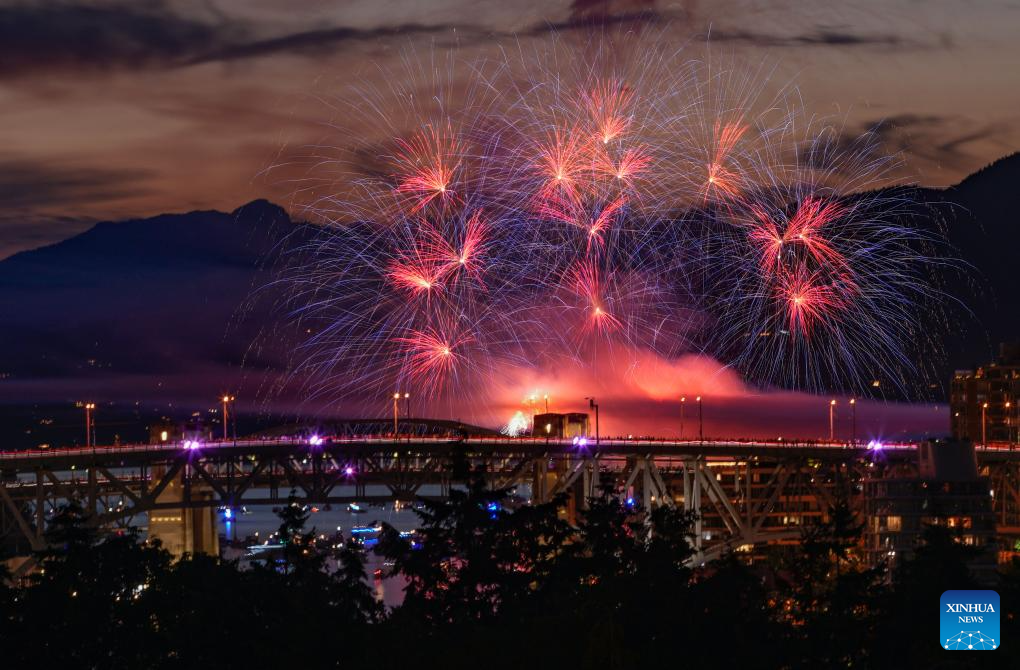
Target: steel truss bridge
x=743 y=493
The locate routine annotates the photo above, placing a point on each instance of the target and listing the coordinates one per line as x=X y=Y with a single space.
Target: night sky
x=120 y=109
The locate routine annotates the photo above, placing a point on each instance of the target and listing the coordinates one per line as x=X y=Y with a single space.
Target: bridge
x=743 y=492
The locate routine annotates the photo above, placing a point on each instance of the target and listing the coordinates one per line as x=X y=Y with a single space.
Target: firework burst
x=537 y=215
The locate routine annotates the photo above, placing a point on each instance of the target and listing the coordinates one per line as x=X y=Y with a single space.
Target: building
x=946 y=491
x=573 y=424
x=985 y=403
x=182 y=530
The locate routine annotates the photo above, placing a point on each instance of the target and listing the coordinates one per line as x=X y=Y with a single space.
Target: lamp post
x=89 y=425
x=832 y=420
x=1009 y=423
x=546 y=403
x=407 y=413
x=595 y=406
x=1016 y=422
x=396 y=400
x=701 y=421
x=683 y=403
x=226 y=400
x=984 y=425
x=853 y=421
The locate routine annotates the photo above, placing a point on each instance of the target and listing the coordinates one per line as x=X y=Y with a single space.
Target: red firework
x=721 y=179
x=586 y=281
x=806 y=226
x=414 y=275
x=633 y=162
x=452 y=261
x=432 y=355
x=428 y=167
x=803 y=230
x=608 y=103
x=576 y=215
x=562 y=162
x=808 y=300
x=601 y=223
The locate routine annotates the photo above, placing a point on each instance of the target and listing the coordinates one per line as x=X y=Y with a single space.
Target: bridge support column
x=190 y=529
x=692 y=500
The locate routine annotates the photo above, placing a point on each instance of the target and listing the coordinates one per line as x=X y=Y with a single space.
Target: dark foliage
x=491 y=587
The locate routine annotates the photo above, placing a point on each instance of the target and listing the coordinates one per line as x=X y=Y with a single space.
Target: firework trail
x=523 y=214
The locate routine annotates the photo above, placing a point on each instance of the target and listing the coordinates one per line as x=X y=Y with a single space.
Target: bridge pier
x=190 y=528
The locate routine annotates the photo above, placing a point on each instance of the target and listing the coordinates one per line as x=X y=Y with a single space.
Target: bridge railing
x=589 y=444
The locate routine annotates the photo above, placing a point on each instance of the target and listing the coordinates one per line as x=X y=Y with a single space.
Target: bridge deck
x=472 y=445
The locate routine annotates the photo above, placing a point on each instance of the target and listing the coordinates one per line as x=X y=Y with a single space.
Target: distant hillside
x=142 y=297
x=982 y=214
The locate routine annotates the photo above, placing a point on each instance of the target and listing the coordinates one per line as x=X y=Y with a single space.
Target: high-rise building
x=947 y=490
x=984 y=403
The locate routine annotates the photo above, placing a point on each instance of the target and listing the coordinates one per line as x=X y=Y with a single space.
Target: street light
x=595 y=406
x=853 y=421
x=1009 y=423
x=832 y=420
x=546 y=403
x=701 y=422
x=89 y=424
x=226 y=400
x=396 y=399
x=1016 y=422
x=984 y=425
x=683 y=403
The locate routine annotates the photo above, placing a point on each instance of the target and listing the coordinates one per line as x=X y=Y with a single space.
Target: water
x=264 y=521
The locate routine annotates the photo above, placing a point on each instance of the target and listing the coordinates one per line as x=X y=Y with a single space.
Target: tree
x=939 y=563
x=300 y=556
x=89 y=604
x=831 y=596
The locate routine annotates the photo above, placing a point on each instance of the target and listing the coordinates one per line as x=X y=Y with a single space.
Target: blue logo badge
x=969 y=620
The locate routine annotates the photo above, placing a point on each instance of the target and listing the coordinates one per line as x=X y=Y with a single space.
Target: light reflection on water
x=264 y=521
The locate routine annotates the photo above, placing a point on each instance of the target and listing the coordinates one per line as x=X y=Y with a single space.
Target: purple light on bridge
x=875 y=445
x=349 y=471
x=191 y=444
x=315 y=441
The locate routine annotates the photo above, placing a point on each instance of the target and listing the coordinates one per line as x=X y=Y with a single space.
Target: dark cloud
x=60 y=36
x=72 y=37
x=26 y=184
x=942 y=140
x=819 y=37
x=319 y=42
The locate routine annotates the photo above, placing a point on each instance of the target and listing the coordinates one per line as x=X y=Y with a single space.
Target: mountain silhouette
x=984 y=232
x=144 y=297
